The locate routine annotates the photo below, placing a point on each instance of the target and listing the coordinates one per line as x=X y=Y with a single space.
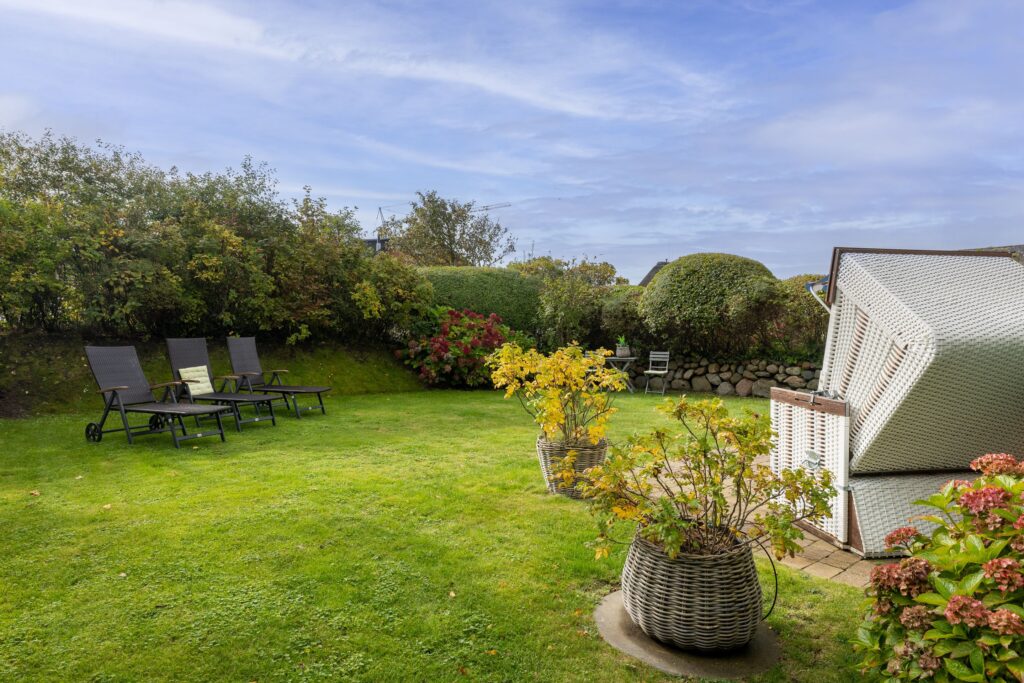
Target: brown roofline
x=837 y=254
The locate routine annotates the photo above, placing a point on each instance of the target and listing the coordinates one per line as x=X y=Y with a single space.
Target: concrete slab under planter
x=621 y=633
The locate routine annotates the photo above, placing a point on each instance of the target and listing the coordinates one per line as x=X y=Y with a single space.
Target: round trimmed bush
x=718 y=304
x=513 y=296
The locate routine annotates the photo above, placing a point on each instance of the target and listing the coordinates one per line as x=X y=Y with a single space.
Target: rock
x=656 y=383
x=672 y=364
x=703 y=361
x=744 y=387
x=699 y=371
x=813 y=385
x=817 y=374
x=713 y=378
x=689 y=366
x=750 y=375
x=762 y=373
x=795 y=382
x=762 y=365
x=772 y=369
x=725 y=389
x=688 y=374
x=807 y=375
x=780 y=377
x=762 y=388
x=701 y=384
x=793 y=371
x=726 y=376
x=680 y=385
x=713 y=368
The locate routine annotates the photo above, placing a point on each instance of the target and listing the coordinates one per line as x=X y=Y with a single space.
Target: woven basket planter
x=695 y=602
x=550 y=453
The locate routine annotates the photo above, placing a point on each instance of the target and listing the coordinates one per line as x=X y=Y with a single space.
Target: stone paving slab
x=822 y=559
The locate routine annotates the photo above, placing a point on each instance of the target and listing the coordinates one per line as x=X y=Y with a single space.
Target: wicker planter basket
x=550 y=453
x=694 y=602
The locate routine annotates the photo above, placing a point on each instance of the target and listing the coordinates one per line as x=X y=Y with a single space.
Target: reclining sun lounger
x=920 y=377
x=125 y=390
x=190 y=360
x=245 y=362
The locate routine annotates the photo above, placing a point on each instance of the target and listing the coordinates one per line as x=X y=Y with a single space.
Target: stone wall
x=748 y=378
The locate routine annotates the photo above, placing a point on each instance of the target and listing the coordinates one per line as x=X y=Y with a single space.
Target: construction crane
x=488 y=207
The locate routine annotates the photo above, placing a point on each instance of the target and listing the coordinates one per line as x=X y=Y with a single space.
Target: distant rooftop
x=654 y=271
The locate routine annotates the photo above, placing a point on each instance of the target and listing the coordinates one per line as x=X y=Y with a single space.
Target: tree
x=570 y=301
x=447 y=232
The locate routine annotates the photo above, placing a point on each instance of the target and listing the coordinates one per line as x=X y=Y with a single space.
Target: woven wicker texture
x=924 y=349
x=884 y=503
x=118 y=366
x=808 y=438
x=550 y=454
x=245 y=358
x=694 y=602
x=188 y=353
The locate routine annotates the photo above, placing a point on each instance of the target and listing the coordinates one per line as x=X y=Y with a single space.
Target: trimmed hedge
x=718 y=304
x=803 y=323
x=514 y=297
x=620 y=315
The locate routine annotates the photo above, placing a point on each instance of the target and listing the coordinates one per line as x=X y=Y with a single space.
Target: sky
x=626 y=131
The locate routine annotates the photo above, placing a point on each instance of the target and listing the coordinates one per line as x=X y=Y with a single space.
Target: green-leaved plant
x=703 y=488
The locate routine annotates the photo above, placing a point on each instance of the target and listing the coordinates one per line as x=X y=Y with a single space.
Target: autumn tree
x=447 y=232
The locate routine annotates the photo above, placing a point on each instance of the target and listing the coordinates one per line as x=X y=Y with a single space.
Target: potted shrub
x=699 y=496
x=569 y=394
x=953 y=609
x=622 y=349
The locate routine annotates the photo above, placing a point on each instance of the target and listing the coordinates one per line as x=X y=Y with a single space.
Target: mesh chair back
x=118 y=366
x=659 y=361
x=244 y=358
x=188 y=353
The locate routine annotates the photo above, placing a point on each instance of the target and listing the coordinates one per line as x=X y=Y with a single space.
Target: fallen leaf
x=123 y=574
x=107 y=506
x=79 y=477
x=463 y=671
x=451 y=594
x=492 y=652
x=578 y=613
x=33 y=493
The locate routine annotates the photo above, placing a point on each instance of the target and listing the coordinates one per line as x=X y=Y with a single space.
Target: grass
x=399 y=537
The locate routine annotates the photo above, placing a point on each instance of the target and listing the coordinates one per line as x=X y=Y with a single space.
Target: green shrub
x=802 y=323
x=620 y=316
x=511 y=295
x=954 y=609
x=713 y=304
x=570 y=302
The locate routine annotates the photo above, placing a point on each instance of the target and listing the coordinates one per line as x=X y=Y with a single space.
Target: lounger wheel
x=157 y=422
x=93 y=432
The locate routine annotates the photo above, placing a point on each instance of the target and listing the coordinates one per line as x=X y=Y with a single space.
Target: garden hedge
x=514 y=297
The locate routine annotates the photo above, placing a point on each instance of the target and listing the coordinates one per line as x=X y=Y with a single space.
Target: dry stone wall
x=747 y=378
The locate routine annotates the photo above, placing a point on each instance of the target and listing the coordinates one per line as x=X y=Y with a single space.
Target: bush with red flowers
x=953 y=609
x=454 y=353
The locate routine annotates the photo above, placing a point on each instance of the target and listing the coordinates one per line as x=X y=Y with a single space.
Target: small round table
x=623 y=363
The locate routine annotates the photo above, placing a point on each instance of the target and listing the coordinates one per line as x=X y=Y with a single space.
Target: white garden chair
x=657 y=367
x=921 y=375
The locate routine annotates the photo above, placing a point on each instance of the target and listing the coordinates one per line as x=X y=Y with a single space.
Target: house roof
x=653 y=271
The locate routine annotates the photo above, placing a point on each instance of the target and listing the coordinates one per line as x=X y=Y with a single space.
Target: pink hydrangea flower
x=902 y=536
x=980 y=501
x=964 y=610
x=1019 y=524
x=1005 y=622
x=909 y=577
x=1005 y=572
x=996 y=463
x=916 y=618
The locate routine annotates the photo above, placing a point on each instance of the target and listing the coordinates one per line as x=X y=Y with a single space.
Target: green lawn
x=399 y=537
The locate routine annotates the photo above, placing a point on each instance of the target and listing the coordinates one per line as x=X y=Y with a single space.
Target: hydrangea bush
x=953 y=609
x=455 y=353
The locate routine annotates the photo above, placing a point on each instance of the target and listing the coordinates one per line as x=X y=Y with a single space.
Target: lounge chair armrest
x=106 y=390
x=279 y=372
x=172 y=383
x=228 y=377
x=249 y=374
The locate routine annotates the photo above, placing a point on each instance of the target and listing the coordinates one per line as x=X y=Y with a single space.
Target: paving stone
x=855 y=580
x=821 y=570
x=841 y=559
x=798 y=562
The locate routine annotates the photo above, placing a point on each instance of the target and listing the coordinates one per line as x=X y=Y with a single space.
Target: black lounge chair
x=125 y=389
x=245 y=362
x=192 y=353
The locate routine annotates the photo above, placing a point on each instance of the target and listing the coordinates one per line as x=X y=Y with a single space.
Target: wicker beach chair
x=190 y=357
x=919 y=378
x=245 y=362
x=125 y=390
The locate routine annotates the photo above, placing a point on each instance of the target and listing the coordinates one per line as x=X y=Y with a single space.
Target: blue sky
x=626 y=131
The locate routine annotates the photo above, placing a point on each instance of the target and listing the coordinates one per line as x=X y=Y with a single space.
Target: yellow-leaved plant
x=567 y=392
